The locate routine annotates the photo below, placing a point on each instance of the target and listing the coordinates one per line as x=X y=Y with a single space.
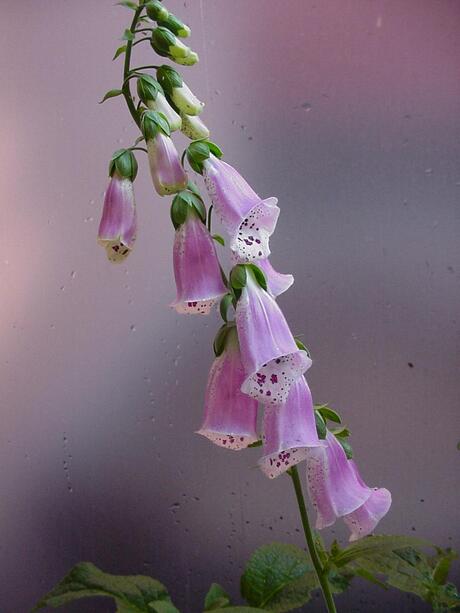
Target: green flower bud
x=189 y=60
x=167 y=45
x=156 y=11
x=177 y=27
x=193 y=127
x=123 y=163
x=181 y=95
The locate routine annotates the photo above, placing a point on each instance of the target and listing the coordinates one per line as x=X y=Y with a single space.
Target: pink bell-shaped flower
x=230 y=416
x=249 y=220
x=197 y=271
x=271 y=358
x=337 y=490
x=289 y=430
x=118 y=225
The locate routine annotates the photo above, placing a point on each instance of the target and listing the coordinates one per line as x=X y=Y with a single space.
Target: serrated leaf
x=278 y=577
x=216 y=598
x=119 y=51
x=128 y=35
x=112 y=93
x=374 y=545
x=131 y=593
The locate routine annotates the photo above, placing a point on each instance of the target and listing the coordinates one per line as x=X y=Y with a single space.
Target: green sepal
x=112 y=93
x=129 y=4
x=259 y=275
x=193 y=187
x=128 y=35
x=176 y=25
x=341 y=432
x=219 y=239
x=238 y=277
x=152 y=122
x=224 y=306
x=124 y=163
x=169 y=78
x=345 y=446
x=148 y=88
x=197 y=153
x=328 y=413
x=119 y=51
x=258 y=443
x=216 y=598
x=221 y=338
x=301 y=346
x=156 y=11
x=321 y=428
x=214 y=149
x=181 y=204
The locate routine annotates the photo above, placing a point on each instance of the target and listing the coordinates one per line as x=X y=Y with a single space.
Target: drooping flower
x=230 y=416
x=277 y=282
x=166 y=169
x=197 y=271
x=165 y=43
x=179 y=92
x=289 y=430
x=152 y=95
x=271 y=358
x=193 y=127
x=118 y=226
x=337 y=490
x=249 y=220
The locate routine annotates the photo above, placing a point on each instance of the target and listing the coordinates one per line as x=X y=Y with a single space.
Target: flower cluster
x=259 y=364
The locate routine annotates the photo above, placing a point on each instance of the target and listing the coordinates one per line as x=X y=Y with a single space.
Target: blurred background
x=348 y=111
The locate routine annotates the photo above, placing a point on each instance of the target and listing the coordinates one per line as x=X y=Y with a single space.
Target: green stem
x=126 y=86
x=320 y=571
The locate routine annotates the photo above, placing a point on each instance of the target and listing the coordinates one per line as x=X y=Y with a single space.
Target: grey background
x=348 y=112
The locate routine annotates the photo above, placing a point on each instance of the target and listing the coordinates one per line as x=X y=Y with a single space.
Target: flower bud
x=167 y=172
x=156 y=10
x=193 y=127
x=177 y=27
x=167 y=45
x=181 y=95
x=189 y=60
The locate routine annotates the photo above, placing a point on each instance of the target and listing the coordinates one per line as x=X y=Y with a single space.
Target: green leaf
x=112 y=93
x=321 y=428
x=224 y=306
x=301 y=346
x=443 y=564
x=119 y=51
x=131 y=593
x=341 y=432
x=240 y=610
x=328 y=413
x=216 y=598
x=219 y=239
x=278 y=577
x=346 y=447
x=128 y=4
x=259 y=275
x=238 y=276
x=128 y=35
x=160 y=606
x=374 y=545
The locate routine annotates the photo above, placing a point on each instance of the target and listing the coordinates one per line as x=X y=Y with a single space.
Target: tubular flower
x=270 y=355
x=249 y=220
x=337 y=490
x=167 y=172
x=196 y=267
x=277 y=282
x=118 y=226
x=230 y=416
x=288 y=431
x=193 y=127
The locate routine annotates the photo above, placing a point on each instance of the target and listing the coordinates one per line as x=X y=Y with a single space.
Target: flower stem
x=126 y=69
x=320 y=571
